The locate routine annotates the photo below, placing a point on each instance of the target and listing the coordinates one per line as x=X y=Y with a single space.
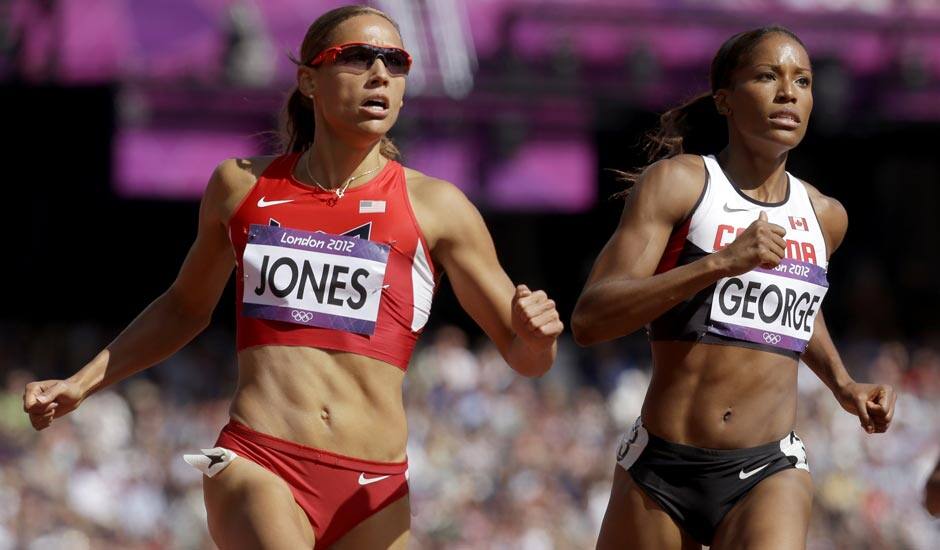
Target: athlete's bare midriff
x=335 y=401
x=719 y=397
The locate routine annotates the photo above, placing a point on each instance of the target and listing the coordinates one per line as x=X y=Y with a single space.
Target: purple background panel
x=172 y=163
x=559 y=174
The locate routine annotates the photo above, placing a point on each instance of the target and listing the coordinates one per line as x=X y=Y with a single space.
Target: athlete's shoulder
x=441 y=208
x=672 y=185
x=433 y=190
x=832 y=215
x=240 y=171
x=231 y=182
x=684 y=166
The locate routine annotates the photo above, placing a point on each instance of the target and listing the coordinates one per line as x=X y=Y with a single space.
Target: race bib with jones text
x=775 y=307
x=312 y=278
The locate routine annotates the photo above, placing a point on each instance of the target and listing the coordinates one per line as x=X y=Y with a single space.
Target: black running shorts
x=697 y=487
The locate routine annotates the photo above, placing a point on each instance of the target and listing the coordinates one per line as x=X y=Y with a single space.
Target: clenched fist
x=534 y=318
x=873 y=404
x=760 y=245
x=50 y=399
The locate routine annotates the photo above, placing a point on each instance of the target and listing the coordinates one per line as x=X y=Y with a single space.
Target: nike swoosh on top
x=363 y=480
x=730 y=209
x=743 y=475
x=263 y=203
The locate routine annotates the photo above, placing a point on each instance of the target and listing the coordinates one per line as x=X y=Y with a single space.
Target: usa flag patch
x=371 y=207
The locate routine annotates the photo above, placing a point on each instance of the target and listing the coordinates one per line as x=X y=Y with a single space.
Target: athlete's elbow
x=197 y=315
x=584 y=329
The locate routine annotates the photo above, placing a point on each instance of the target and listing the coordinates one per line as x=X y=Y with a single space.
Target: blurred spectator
x=497 y=461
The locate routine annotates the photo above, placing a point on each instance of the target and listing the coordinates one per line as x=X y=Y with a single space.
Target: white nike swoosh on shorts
x=363 y=480
x=743 y=475
x=263 y=203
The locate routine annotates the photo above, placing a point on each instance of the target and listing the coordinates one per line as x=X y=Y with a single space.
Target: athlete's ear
x=305 y=81
x=721 y=102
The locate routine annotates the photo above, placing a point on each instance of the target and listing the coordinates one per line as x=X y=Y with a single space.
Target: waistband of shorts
x=656 y=442
x=240 y=431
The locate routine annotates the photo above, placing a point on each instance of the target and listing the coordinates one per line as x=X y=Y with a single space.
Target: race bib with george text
x=775 y=307
x=313 y=278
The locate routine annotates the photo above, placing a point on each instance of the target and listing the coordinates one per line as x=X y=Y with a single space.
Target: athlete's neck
x=763 y=177
x=332 y=162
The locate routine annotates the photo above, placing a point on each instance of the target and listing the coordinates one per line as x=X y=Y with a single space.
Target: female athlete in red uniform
x=724 y=258
x=337 y=249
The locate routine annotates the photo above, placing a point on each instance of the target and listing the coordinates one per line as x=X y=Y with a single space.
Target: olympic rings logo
x=301 y=316
x=771 y=338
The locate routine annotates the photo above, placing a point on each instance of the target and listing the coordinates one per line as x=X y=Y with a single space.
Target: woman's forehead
x=778 y=49
x=367 y=28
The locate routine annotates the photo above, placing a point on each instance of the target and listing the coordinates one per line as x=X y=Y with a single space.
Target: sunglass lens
x=396 y=61
x=356 y=57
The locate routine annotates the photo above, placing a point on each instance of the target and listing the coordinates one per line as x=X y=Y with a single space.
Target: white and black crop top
x=768 y=309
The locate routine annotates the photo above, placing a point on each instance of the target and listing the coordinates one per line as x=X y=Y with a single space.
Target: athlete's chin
x=784 y=139
x=376 y=127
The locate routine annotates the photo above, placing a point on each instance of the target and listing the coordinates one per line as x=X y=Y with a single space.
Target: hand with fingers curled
x=49 y=399
x=873 y=404
x=535 y=319
x=760 y=245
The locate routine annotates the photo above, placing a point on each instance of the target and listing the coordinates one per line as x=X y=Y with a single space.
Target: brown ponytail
x=696 y=126
x=297 y=126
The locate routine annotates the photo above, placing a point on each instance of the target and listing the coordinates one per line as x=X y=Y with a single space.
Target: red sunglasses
x=359 y=56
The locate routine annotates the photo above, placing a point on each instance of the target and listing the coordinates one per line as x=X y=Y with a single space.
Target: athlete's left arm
x=523 y=324
x=872 y=403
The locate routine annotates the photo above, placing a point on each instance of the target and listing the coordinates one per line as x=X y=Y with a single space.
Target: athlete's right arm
x=622 y=293
x=169 y=322
x=932 y=492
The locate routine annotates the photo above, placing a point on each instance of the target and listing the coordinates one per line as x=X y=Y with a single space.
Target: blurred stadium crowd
x=497 y=461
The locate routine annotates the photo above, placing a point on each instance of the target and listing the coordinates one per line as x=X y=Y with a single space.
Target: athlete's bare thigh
x=774 y=514
x=389 y=528
x=249 y=507
x=633 y=520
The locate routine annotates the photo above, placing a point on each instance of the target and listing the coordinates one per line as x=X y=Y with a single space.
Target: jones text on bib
x=311 y=278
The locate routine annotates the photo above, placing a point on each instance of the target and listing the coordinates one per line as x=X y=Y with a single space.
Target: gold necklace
x=341 y=190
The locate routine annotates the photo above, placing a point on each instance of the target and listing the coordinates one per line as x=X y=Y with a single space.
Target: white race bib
x=775 y=307
x=313 y=278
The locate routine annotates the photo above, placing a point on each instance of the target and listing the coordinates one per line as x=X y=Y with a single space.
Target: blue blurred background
x=116 y=111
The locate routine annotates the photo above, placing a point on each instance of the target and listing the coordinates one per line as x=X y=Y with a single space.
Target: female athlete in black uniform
x=724 y=257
